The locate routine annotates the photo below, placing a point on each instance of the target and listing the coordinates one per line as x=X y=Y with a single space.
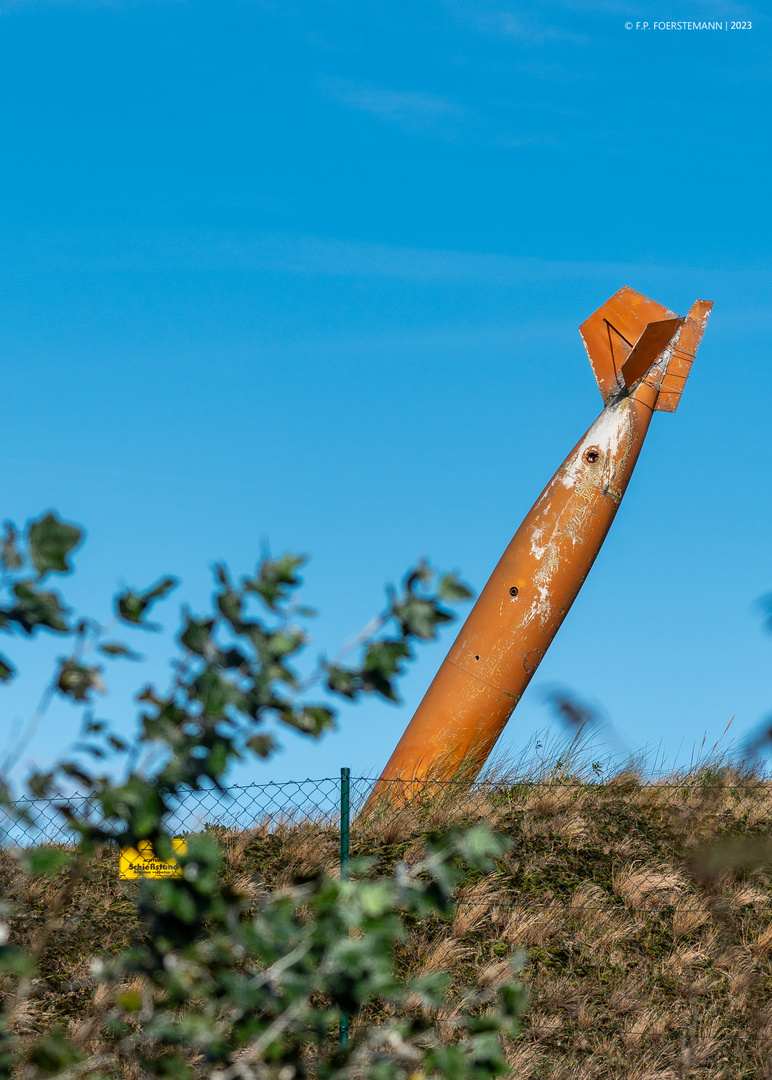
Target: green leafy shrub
x=217 y=983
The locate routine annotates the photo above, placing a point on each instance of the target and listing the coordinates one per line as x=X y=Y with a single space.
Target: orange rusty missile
x=641 y=354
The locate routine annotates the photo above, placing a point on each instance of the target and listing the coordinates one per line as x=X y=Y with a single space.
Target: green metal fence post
x=345 y=825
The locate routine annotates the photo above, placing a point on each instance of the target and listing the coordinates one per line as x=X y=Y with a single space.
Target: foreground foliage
x=191 y=976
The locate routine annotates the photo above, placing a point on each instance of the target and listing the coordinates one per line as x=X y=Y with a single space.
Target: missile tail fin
x=624 y=337
x=687 y=343
x=647 y=349
x=611 y=334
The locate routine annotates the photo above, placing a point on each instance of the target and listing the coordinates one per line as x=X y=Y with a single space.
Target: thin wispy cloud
x=152 y=251
x=432 y=114
x=411 y=109
x=529 y=29
x=525 y=142
x=538 y=26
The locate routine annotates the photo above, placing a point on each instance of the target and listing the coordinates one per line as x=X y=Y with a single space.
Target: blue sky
x=310 y=274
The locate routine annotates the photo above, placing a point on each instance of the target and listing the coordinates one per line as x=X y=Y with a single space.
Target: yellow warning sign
x=142 y=861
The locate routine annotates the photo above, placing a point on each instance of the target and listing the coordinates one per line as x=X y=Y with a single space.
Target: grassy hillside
x=645 y=910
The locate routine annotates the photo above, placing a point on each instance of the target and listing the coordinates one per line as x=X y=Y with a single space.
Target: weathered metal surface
x=639 y=351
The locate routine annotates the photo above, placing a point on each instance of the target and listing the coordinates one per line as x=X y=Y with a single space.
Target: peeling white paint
x=537 y=548
x=612 y=434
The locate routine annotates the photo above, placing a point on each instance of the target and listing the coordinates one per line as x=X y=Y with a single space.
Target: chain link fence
x=744 y=799
x=41 y=821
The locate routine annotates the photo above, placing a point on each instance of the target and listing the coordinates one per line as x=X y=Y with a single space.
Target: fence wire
x=533 y=806
x=30 y=822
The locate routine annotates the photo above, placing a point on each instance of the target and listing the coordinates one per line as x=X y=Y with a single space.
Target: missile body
x=641 y=354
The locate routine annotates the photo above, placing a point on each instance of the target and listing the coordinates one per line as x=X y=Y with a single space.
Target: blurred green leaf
x=52 y=1053
x=452 y=589
x=50 y=542
x=131 y=606
x=229 y=601
x=419 y=618
x=114 y=648
x=284 y=642
x=16 y=961
x=130 y=1001
x=48 y=861
x=419 y=575
x=342 y=681
x=311 y=719
x=10 y=556
x=731 y=855
x=78 y=680
x=479 y=847
x=275 y=580
x=35 y=609
x=262 y=745
x=386 y=656
x=196 y=635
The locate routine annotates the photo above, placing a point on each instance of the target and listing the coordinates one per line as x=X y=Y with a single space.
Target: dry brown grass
x=534 y=925
x=761 y=941
x=648 y=888
x=647 y=961
x=689 y=916
x=443 y=955
x=478 y=905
